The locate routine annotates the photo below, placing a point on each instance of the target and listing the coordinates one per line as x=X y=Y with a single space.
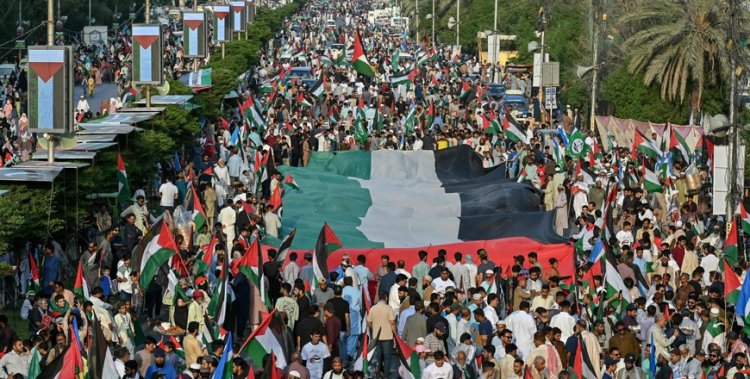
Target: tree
x=28 y=212
x=680 y=45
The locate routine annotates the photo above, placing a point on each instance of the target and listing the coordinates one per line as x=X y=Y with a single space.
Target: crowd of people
x=664 y=310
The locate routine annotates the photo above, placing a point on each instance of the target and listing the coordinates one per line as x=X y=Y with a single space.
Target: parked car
x=517 y=104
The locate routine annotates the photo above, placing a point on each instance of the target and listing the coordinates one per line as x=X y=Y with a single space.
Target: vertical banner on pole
x=222 y=31
x=194 y=34
x=147 y=54
x=239 y=18
x=250 y=11
x=50 y=89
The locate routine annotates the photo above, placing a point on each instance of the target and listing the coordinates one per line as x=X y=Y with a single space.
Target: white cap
x=295 y=374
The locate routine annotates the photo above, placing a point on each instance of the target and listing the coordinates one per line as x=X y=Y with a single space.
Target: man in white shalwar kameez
x=580 y=193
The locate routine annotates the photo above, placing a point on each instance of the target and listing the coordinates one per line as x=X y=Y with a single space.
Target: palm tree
x=680 y=44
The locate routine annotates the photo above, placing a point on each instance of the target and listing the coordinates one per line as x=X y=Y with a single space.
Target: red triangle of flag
x=45 y=70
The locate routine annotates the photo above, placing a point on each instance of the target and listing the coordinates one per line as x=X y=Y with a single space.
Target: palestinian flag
x=147 y=54
x=395 y=59
x=254 y=117
x=80 y=287
x=67 y=365
x=431 y=115
x=319 y=88
x=207 y=256
x=285 y=246
x=325 y=60
x=410 y=121
x=49 y=94
x=732 y=285
x=263 y=341
x=301 y=100
x=100 y=362
x=473 y=203
x=614 y=282
x=196 y=209
x=34 y=365
x=220 y=301
x=581 y=366
x=465 y=90
x=359 y=59
x=222 y=31
x=331 y=117
x=744 y=216
x=426 y=56
x=224 y=367
x=327 y=243
x=251 y=264
x=677 y=141
x=194 y=34
x=268 y=85
x=158 y=247
x=403 y=78
x=275 y=200
x=34 y=285
x=645 y=146
x=123 y=188
x=651 y=181
x=365 y=355
x=409 y=359
x=290 y=182
x=512 y=130
x=730 y=246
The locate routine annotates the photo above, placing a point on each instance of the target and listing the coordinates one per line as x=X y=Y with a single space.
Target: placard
x=147 y=54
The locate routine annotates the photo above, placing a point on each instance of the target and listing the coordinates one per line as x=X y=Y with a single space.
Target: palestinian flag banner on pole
x=403 y=78
x=147 y=54
x=409 y=359
x=204 y=263
x=195 y=208
x=327 y=243
x=319 y=89
x=275 y=200
x=731 y=247
x=194 y=34
x=677 y=141
x=645 y=146
x=512 y=130
x=50 y=86
x=34 y=285
x=465 y=89
x=286 y=246
x=123 y=188
x=301 y=100
x=359 y=59
x=651 y=181
x=67 y=365
x=222 y=31
x=365 y=355
x=251 y=264
x=581 y=366
x=732 y=284
x=239 y=16
x=614 y=282
x=159 y=247
x=745 y=218
x=263 y=341
x=290 y=182
x=80 y=287
x=220 y=300
x=100 y=362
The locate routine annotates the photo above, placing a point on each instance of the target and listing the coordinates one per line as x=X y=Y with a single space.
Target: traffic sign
x=550 y=98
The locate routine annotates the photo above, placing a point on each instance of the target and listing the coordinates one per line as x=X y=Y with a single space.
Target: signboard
x=94 y=35
x=493 y=49
x=20 y=44
x=147 y=54
x=537 y=73
x=250 y=11
x=50 y=88
x=239 y=18
x=550 y=98
x=222 y=31
x=551 y=74
x=194 y=34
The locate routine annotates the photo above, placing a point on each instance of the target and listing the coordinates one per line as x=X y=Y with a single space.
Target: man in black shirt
x=307 y=326
x=303 y=302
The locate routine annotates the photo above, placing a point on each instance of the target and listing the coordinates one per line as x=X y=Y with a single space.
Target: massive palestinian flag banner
x=239 y=16
x=50 y=88
x=411 y=198
x=194 y=34
x=249 y=11
x=147 y=55
x=222 y=31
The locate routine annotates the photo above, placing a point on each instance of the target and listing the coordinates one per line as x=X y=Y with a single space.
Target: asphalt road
x=101 y=93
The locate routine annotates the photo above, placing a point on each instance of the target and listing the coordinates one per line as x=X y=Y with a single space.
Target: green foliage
x=632 y=99
x=28 y=212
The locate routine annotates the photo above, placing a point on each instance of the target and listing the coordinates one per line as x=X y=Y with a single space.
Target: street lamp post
x=433 y=22
x=595 y=59
x=458 y=22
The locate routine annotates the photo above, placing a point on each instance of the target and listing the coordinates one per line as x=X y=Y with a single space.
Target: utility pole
x=147 y=19
x=416 y=17
x=50 y=42
x=598 y=17
x=494 y=25
x=735 y=193
x=89 y=12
